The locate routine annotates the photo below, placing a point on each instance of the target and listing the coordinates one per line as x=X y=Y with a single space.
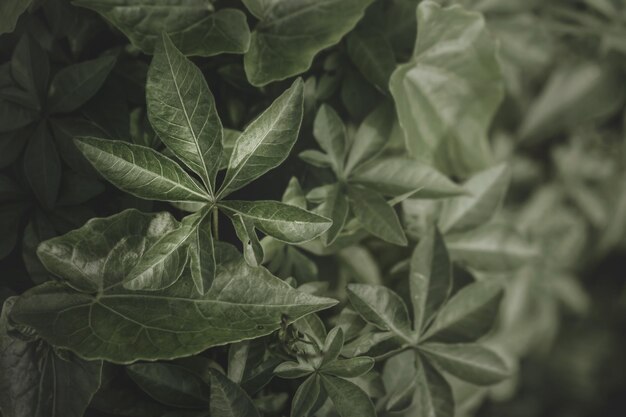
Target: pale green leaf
x=398 y=175
x=349 y=400
x=376 y=215
x=182 y=111
x=104 y=320
x=494 y=247
x=468 y=315
x=193 y=25
x=267 y=140
x=202 y=262
x=336 y=208
x=252 y=249
x=448 y=93
x=430 y=277
x=332 y=346
x=291 y=32
x=140 y=171
x=330 y=133
x=282 y=221
x=349 y=368
x=486 y=191
x=371 y=136
x=293 y=370
x=433 y=395
x=469 y=362
x=381 y=307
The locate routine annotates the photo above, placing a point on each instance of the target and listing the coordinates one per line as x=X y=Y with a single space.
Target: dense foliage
x=309 y=208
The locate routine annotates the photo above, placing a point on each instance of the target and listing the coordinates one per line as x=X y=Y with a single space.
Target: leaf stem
x=216 y=227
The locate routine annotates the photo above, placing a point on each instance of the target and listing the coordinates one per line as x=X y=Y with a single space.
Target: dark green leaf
x=291 y=32
x=140 y=171
x=182 y=111
x=42 y=166
x=103 y=320
x=373 y=56
x=228 y=399
x=30 y=68
x=293 y=370
x=193 y=25
x=14 y=116
x=306 y=396
x=336 y=208
x=170 y=384
x=267 y=140
x=74 y=85
x=202 y=262
x=349 y=400
x=282 y=221
x=376 y=215
x=332 y=345
x=10 y=11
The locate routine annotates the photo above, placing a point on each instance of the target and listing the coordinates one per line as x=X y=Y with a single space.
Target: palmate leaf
x=336 y=208
x=202 y=262
x=284 y=222
x=433 y=395
x=192 y=25
x=10 y=11
x=30 y=67
x=97 y=318
x=141 y=171
x=448 y=93
x=42 y=166
x=371 y=136
x=267 y=140
x=330 y=133
x=349 y=400
x=228 y=399
x=306 y=396
x=182 y=111
x=291 y=32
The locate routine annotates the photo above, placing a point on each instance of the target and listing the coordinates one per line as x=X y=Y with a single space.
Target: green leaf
x=291 y=32
x=163 y=263
x=74 y=85
x=252 y=249
x=294 y=195
x=182 y=111
x=381 y=307
x=399 y=175
x=15 y=116
x=330 y=133
x=193 y=25
x=332 y=346
x=468 y=315
x=170 y=384
x=376 y=215
x=36 y=382
x=101 y=319
x=30 y=67
x=336 y=208
x=42 y=166
x=430 y=277
x=448 y=93
x=10 y=11
x=469 y=362
x=486 y=191
x=315 y=158
x=494 y=247
x=267 y=140
x=140 y=171
x=228 y=399
x=349 y=368
x=576 y=93
x=306 y=396
x=371 y=53
x=400 y=381
x=371 y=136
x=202 y=262
x=282 y=221
x=433 y=395
x=11 y=145
x=349 y=400
x=293 y=370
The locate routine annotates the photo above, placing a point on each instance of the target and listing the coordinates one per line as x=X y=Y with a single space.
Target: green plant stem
x=216 y=226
